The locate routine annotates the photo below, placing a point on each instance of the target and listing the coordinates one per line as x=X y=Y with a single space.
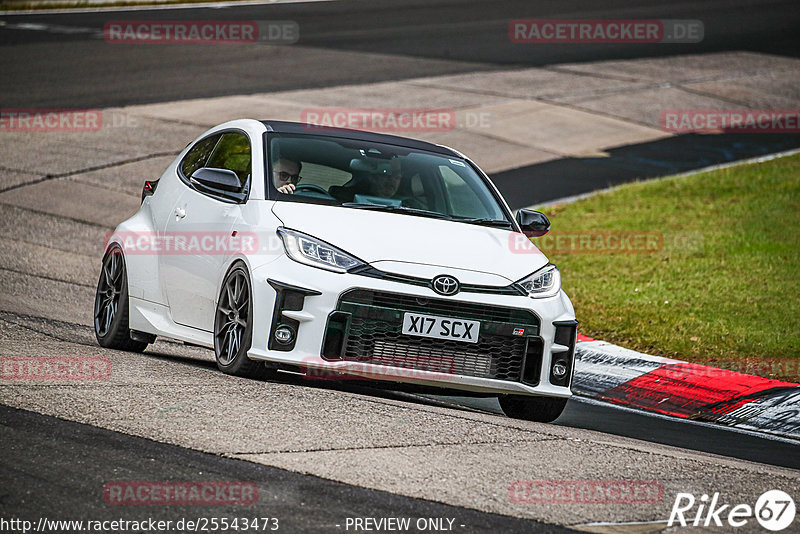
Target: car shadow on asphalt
x=566 y=177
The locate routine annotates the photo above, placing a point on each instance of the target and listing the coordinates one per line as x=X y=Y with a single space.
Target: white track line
x=153 y=7
x=610 y=523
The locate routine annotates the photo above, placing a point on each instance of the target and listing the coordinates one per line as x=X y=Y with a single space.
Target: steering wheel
x=311 y=188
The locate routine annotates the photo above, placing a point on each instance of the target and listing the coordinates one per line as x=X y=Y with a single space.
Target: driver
x=386 y=184
x=285 y=175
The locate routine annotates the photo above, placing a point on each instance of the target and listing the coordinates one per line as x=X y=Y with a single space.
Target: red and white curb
x=616 y=375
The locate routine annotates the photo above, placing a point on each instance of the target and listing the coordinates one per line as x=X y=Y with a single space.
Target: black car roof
x=358 y=135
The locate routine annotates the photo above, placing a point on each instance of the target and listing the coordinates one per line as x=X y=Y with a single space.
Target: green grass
x=722 y=291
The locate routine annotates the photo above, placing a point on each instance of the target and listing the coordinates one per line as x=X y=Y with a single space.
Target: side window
x=232 y=152
x=197 y=156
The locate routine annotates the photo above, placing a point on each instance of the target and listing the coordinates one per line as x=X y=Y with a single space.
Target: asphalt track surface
x=81 y=459
x=66 y=63
x=348 y=42
x=345 y=42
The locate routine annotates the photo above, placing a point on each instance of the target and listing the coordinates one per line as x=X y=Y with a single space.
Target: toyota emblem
x=445 y=285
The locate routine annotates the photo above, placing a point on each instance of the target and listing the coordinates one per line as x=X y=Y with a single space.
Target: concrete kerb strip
x=620 y=376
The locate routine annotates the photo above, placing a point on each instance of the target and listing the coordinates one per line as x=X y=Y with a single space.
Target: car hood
x=395 y=239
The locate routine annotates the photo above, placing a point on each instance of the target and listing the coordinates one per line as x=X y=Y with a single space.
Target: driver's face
x=285 y=172
x=386 y=185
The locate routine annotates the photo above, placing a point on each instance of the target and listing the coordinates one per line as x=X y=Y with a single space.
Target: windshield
x=366 y=175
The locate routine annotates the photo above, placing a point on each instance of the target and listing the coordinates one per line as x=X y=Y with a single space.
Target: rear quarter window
x=232 y=152
x=198 y=155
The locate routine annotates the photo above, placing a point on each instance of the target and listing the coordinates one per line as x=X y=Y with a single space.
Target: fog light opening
x=284 y=334
x=560 y=369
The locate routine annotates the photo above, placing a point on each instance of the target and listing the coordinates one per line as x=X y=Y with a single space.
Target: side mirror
x=220 y=179
x=220 y=182
x=533 y=223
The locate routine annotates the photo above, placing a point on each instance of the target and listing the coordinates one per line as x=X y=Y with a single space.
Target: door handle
x=180 y=213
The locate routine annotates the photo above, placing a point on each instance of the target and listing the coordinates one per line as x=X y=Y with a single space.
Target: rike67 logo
x=774 y=510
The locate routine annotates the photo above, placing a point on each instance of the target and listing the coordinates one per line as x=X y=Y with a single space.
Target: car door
x=199 y=228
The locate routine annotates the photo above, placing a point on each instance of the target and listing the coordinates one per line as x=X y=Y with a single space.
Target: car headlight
x=309 y=250
x=545 y=282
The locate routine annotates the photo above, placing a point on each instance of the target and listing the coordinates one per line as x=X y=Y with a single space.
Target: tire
x=111 y=305
x=539 y=409
x=233 y=326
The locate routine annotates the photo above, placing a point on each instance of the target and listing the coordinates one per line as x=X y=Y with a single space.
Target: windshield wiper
x=401 y=209
x=485 y=221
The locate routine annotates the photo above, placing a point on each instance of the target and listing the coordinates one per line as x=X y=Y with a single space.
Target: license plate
x=415 y=324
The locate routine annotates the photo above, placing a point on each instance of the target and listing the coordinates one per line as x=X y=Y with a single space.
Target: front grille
x=369 y=324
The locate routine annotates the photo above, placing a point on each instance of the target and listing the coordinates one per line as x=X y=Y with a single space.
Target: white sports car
x=291 y=247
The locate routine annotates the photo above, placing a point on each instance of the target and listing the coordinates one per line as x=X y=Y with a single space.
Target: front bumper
x=351 y=324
